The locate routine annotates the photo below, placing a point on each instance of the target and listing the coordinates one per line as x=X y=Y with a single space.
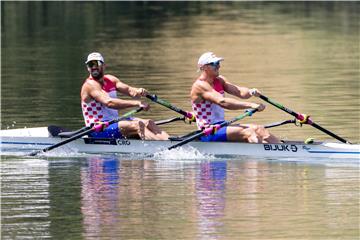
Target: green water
x=304 y=55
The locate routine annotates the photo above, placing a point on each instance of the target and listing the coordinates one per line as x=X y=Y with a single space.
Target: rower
x=99 y=103
x=208 y=104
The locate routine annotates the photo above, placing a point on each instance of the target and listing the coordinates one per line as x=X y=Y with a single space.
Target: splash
x=60 y=152
x=12 y=126
x=182 y=153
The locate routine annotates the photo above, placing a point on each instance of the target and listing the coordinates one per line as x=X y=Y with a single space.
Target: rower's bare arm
x=96 y=93
x=229 y=103
x=120 y=86
x=206 y=92
x=128 y=90
x=241 y=92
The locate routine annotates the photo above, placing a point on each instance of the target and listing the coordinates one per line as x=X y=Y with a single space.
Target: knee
x=258 y=128
x=136 y=125
x=148 y=122
x=141 y=124
x=251 y=135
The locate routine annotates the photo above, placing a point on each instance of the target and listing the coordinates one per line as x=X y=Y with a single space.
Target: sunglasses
x=214 y=64
x=94 y=63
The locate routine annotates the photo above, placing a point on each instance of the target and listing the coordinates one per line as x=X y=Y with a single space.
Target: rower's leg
x=129 y=129
x=265 y=135
x=271 y=139
x=241 y=134
x=154 y=131
x=250 y=133
x=143 y=128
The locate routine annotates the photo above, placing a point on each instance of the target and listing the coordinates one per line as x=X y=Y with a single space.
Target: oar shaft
x=315 y=125
x=155 y=98
x=276 y=124
x=99 y=127
x=165 y=121
x=79 y=135
x=303 y=118
x=248 y=112
x=185 y=141
x=126 y=115
x=278 y=105
x=211 y=128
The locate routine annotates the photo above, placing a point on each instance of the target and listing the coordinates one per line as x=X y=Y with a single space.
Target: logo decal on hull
x=122 y=142
x=280 y=147
x=107 y=141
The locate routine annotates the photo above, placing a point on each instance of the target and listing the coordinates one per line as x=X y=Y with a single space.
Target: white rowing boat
x=29 y=139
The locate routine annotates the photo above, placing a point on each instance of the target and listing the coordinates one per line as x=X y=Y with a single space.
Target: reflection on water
x=99 y=195
x=110 y=197
x=210 y=193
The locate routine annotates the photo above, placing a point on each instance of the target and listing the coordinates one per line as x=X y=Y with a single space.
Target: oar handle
x=303 y=118
x=248 y=113
x=155 y=98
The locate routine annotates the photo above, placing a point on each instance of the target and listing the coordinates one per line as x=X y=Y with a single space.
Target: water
x=104 y=197
x=303 y=55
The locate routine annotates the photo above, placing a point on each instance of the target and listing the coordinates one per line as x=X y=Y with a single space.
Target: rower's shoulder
x=111 y=78
x=200 y=81
x=90 y=83
x=202 y=84
x=198 y=85
x=221 y=78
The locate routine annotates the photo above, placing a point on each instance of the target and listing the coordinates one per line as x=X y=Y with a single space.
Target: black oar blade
x=34 y=153
x=77 y=136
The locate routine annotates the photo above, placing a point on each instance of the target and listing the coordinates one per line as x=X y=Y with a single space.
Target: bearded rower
x=99 y=103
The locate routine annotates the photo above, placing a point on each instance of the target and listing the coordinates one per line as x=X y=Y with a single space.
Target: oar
x=276 y=124
x=96 y=128
x=72 y=133
x=210 y=130
x=155 y=98
x=165 y=121
x=270 y=125
x=303 y=118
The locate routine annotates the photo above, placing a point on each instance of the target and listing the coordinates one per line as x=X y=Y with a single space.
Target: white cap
x=94 y=56
x=208 y=57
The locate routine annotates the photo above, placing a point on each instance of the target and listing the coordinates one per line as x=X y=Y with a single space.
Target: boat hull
x=38 y=138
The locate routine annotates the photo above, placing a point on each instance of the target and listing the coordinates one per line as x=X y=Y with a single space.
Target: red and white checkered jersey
x=94 y=111
x=206 y=112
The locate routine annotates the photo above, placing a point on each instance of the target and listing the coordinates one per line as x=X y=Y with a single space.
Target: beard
x=97 y=74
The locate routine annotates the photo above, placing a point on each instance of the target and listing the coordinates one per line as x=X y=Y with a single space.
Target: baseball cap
x=208 y=57
x=94 y=56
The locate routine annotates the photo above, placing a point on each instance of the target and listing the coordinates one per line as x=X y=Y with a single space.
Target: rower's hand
x=254 y=92
x=259 y=106
x=144 y=105
x=141 y=92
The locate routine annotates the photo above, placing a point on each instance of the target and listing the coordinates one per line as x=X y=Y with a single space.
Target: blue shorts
x=112 y=131
x=219 y=136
